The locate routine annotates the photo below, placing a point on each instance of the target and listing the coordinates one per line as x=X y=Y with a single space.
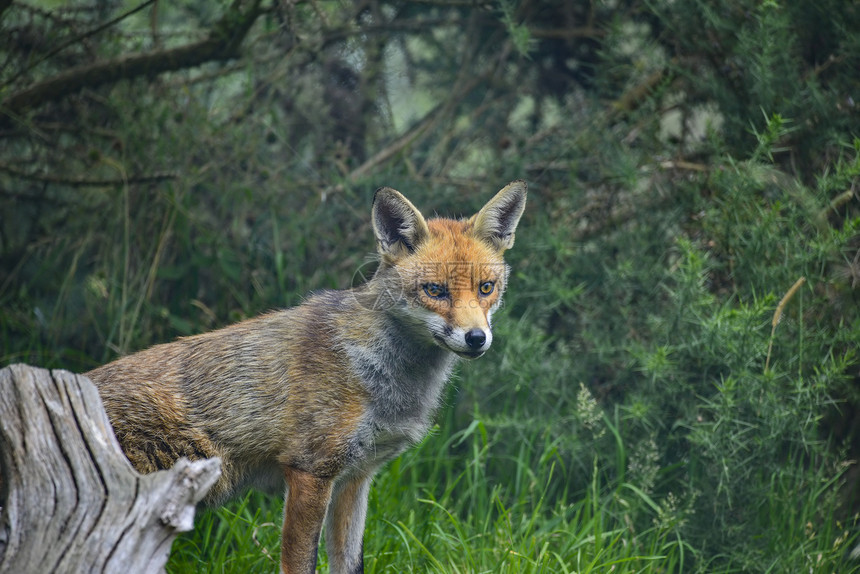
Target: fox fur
x=318 y=397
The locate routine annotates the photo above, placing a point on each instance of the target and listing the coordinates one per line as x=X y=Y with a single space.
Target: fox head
x=446 y=277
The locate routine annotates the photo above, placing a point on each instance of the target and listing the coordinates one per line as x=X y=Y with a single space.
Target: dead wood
x=71 y=502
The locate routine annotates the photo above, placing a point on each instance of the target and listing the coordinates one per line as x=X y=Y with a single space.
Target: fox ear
x=399 y=227
x=497 y=221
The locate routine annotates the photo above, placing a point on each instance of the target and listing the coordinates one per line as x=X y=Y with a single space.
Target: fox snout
x=467 y=343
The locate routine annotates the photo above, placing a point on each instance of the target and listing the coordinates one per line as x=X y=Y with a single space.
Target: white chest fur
x=404 y=381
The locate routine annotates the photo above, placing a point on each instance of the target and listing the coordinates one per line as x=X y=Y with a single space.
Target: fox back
x=318 y=397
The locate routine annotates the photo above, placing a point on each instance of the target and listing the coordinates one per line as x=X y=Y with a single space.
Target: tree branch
x=79 y=38
x=633 y=98
x=427 y=122
x=221 y=44
x=85 y=182
x=566 y=33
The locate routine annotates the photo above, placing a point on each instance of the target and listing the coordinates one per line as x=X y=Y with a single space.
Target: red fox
x=320 y=396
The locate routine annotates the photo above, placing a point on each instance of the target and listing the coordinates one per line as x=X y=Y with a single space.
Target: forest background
x=674 y=381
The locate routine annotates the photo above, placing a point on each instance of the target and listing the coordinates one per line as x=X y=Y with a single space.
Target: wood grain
x=71 y=502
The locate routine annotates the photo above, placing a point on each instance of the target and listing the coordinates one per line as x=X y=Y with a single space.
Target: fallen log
x=71 y=501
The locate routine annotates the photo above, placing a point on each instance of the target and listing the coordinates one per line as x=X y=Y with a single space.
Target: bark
x=71 y=502
x=222 y=43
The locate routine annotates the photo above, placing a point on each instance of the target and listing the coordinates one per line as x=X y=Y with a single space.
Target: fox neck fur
x=402 y=372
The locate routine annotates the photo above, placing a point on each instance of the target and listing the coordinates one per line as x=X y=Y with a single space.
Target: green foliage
x=785 y=58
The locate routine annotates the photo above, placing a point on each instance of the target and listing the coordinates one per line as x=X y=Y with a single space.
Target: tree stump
x=71 y=501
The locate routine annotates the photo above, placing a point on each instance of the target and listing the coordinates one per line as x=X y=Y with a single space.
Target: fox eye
x=435 y=290
x=487 y=287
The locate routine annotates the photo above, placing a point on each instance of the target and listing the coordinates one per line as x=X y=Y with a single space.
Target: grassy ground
x=429 y=512
x=437 y=509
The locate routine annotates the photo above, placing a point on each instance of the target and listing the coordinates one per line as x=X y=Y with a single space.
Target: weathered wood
x=71 y=501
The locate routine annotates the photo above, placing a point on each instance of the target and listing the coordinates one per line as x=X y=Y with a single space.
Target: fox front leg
x=304 y=512
x=344 y=527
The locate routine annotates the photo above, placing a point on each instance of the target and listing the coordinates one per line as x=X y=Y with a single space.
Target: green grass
x=434 y=511
x=438 y=509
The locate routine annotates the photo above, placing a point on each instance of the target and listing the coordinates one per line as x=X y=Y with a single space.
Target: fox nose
x=475 y=339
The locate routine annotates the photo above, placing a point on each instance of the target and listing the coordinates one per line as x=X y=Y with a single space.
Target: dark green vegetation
x=658 y=399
